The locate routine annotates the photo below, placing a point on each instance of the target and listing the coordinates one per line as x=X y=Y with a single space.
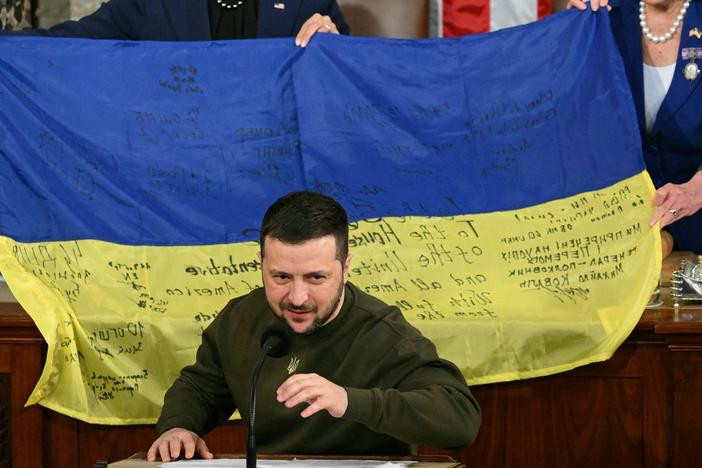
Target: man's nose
x=298 y=293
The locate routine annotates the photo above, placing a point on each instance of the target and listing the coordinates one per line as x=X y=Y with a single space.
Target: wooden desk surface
x=138 y=460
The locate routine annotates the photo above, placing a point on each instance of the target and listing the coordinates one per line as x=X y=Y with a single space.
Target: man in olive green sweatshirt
x=359 y=378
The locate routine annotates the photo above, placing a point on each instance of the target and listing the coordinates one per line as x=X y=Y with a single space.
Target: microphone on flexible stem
x=276 y=342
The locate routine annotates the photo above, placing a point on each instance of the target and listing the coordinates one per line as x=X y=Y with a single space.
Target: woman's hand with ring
x=675 y=201
x=316 y=23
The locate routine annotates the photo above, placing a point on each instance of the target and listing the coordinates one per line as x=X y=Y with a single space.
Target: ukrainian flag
x=495 y=185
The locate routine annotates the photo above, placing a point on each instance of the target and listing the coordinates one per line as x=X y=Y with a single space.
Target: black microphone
x=276 y=342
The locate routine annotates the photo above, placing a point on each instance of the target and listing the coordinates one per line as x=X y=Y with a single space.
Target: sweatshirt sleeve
x=430 y=404
x=199 y=399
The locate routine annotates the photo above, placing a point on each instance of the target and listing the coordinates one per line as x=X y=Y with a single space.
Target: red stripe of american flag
x=461 y=17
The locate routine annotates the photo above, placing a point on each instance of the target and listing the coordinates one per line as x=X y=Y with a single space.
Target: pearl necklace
x=671 y=31
x=236 y=4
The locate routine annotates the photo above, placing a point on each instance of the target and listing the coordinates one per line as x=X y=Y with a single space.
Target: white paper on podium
x=241 y=463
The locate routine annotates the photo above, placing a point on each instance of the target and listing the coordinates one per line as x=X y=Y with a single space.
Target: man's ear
x=260 y=257
x=347 y=265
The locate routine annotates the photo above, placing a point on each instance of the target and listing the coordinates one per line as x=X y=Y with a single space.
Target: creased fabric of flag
x=460 y=17
x=495 y=186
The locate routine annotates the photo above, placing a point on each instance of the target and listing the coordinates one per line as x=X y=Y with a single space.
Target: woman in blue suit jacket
x=189 y=20
x=672 y=133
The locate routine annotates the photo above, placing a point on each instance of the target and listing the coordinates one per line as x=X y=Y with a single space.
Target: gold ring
x=674 y=212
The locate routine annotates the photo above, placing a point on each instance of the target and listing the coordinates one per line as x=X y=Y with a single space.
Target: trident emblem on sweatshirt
x=292 y=367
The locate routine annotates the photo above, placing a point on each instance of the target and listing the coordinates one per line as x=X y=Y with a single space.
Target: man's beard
x=318 y=321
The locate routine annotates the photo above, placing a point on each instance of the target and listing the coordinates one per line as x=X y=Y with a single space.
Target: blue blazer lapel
x=276 y=18
x=189 y=19
x=627 y=32
x=680 y=89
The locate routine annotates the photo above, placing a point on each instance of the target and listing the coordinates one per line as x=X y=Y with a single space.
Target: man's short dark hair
x=301 y=216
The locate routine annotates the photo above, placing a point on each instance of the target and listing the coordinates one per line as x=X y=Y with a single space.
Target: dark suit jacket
x=187 y=20
x=673 y=150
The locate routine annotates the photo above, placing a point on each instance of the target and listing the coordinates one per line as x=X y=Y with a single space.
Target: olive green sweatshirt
x=399 y=391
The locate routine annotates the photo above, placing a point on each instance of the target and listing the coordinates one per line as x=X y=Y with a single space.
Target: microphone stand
x=251 y=442
x=276 y=342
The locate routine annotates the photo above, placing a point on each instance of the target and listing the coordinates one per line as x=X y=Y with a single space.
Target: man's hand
x=594 y=4
x=316 y=391
x=316 y=23
x=171 y=442
x=675 y=201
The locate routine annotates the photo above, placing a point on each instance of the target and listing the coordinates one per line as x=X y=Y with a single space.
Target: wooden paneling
x=111 y=443
x=5 y=435
x=580 y=421
x=62 y=449
x=688 y=408
x=72 y=443
x=21 y=360
x=613 y=413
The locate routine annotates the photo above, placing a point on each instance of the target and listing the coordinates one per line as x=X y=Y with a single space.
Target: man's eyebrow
x=276 y=271
x=316 y=273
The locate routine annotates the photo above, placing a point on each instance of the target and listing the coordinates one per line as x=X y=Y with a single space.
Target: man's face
x=304 y=283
